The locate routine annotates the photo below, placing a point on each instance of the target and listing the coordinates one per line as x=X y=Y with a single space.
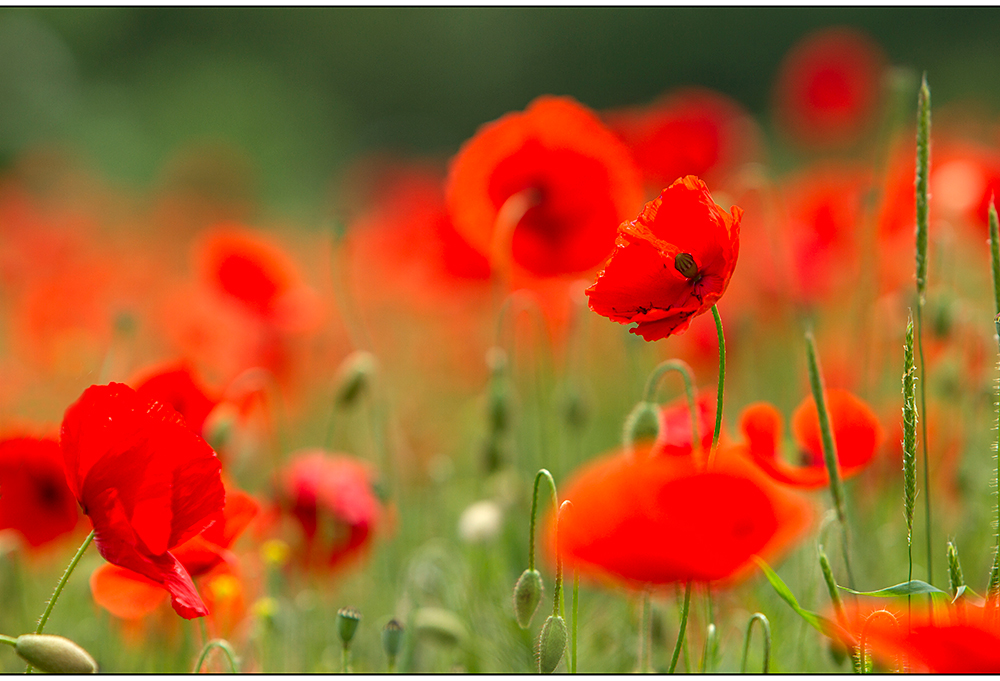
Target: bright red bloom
x=671 y=263
x=129 y=595
x=675 y=425
x=691 y=131
x=147 y=482
x=828 y=86
x=34 y=497
x=857 y=435
x=552 y=182
x=333 y=499
x=660 y=519
x=175 y=385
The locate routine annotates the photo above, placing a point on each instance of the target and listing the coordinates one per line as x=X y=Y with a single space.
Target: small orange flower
x=857 y=435
x=671 y=263
x=552 y=182
x=646 y=519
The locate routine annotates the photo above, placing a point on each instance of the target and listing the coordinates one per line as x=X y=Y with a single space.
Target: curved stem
x=222 y=645
x=722 y=383
x=766 y=626
x=683 y=627
x=684 y=369
x=543 y=473
x=864 y=633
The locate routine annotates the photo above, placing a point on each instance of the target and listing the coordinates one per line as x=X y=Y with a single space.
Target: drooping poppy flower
x=646 y=519
x=671 y=263
x=545 y=188
x=333 y=500
x=828 y=87
x=690 y=131
x=175 y=385
x=34 y=497
x=130 y=595
x=961 y=639
x=147 y=482
x=857 y=435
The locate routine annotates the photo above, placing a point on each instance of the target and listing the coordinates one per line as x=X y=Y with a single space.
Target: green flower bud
x=551 y=644
x=353 y=377
x=392 y=639
x=54 y=654
x=527 y=596
x=347 y=623
x=643 y=423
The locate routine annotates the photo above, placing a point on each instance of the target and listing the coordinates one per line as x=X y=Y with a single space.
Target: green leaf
x=905 y=589
x=821 y=624
x=968 y=594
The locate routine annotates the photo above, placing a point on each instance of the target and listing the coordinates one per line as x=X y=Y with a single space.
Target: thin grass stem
x=680 y=632
x=766 y=627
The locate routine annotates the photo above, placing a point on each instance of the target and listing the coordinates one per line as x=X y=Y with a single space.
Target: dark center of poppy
x=48 y=493
x=684 y=263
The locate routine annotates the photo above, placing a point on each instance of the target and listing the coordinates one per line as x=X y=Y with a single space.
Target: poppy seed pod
x=527 y=596
x=348 y=620
x=551 y=644
x=54 y=654
x=392 y=639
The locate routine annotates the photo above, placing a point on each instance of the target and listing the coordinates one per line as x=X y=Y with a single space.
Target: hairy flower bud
x=551 y=644
x=54 y=654
x=527 y=596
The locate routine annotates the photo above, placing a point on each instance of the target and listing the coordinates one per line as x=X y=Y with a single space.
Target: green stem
x=722 y=382
x=864 y=634
x=345 y=659
x=62 y=583
x=766 y=626
x=680 y=632
x=557 y=591
x=222 y=645
x=9 y=640
x=646 y=633
x=576 y=617
x=829 y=448
x=543 y=473
x=684 y=369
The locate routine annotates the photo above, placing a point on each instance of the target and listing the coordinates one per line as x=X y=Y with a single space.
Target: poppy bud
x=392 y=638
x=353 y=377
x=643 y=423
x=551 y=644
x=347 y=624
x=54 y=654
x=527 y=596
x=440 y=625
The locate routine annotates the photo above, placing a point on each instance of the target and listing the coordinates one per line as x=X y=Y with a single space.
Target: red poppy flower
x=671 y=263
x=130 y=595
x=655 y=520
x=147 y=482
x=691 y=131
x=573 y=181
x=334 y=502
x=175 y=385
x=828 y=87
x=857 y=435
x=34 y=497
x=675 y=425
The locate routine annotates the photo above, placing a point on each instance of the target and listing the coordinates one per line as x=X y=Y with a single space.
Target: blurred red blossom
x=675 y=425
x=34 y=497
x=671 y=263
x=857 y=436
x=828 y=87
x=175 y=384
x=147 y=482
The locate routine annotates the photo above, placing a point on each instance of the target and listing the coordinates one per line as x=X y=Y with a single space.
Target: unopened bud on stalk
x=643 y=423
x=353 y=377
x=551 y=644
x=392 y=639
x=527 y=596
x=347 y=624
x=54 y=654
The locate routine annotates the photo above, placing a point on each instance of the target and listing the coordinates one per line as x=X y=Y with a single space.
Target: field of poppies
x=665 y=387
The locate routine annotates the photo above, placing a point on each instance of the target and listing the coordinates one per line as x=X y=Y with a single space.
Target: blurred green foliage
x=303 y=90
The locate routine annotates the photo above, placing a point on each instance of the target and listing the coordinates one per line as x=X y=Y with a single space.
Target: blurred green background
x=301 y=91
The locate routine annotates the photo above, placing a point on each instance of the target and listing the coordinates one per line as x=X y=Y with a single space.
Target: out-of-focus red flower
x=857 y=435
x=147 y=482
x=828 y=87
x=175 y=384
x=333 y=499
x=960 y=639
x=547 y=186
x=675 y=425
x=646 y=519
x=671 y=263
x=691 y=131
x=259 y=276
x=130 y=595
x=34 y=497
